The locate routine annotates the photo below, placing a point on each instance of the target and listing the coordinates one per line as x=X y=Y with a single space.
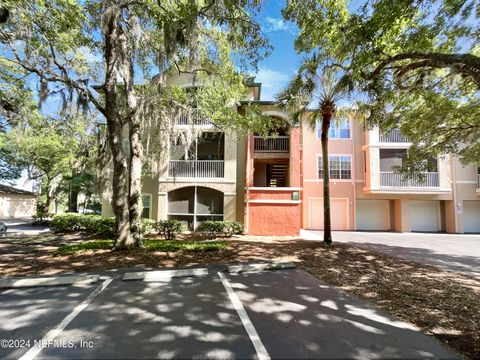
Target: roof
x=5 y=189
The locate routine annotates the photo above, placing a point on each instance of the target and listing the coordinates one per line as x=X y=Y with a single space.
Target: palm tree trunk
x=327 y=230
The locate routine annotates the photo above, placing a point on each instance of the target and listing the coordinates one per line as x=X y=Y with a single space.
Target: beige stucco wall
x=17 y=206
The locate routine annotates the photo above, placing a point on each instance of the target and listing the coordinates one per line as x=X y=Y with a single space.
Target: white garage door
x=471 y=216
x=425 y=215
x=373 y=214
x=338 y=214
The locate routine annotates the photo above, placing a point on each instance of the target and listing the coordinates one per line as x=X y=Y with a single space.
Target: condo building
x=273 y=184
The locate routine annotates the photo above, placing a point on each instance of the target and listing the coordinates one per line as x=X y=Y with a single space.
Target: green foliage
x=415 y=65
x=150 y=245
x=89 y=245
x=169 y=229
x=221 y=228
x=93 y=224
x=148 y=226
x=175 y=245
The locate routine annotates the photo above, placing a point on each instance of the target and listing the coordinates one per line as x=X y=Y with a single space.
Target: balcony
x=280 y=144
x=196 y=168
x=394 y=136
x=195 y=119
x=392 y=179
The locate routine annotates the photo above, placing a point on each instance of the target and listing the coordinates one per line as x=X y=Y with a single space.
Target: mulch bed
x=443 y=304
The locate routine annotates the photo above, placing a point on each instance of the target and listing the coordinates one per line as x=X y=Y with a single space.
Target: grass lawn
x=151 y=245
x=443 y=304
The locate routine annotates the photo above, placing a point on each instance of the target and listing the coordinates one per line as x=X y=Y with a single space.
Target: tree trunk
x=327 y=230
x=73 y=195
x=120 y=190
x=136 y=159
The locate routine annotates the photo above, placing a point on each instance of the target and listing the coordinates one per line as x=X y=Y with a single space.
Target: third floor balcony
x=393 y=136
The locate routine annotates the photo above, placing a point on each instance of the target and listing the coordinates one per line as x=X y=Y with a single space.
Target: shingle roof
x=5 y=189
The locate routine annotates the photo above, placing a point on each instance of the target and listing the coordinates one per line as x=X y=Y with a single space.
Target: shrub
x=94 y=224
x=148 y=226
x=221 y=228
x=169 y=229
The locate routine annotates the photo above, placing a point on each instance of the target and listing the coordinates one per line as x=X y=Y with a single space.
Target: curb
x=48 y=281
x=250 y=268
x=162 y=275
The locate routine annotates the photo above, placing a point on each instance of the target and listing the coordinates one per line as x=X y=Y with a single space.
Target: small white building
x=16 y=203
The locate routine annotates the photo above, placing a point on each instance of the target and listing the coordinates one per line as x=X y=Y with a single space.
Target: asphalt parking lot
x=268 y=314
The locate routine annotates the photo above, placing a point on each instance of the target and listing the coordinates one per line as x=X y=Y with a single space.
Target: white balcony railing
x=196 y=168
x=392 y=179
x=196 y=119
x=394 y=136
x=272 y=144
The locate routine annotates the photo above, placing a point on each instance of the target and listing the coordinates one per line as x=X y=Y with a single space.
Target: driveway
x=453 y=252
x=23 y=227
x=269 y=314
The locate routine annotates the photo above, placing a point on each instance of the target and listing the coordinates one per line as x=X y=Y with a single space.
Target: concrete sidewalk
x=452 y=252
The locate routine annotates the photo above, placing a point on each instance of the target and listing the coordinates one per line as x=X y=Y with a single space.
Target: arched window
x=195 y=204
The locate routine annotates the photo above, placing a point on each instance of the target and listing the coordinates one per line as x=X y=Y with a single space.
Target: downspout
x=454 y=185
x=354 y=173
x=247 y=173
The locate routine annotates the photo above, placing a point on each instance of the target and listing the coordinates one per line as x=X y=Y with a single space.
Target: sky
x=280 y=66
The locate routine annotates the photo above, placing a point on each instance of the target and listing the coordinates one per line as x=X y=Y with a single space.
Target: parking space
x=27 y=314
x=287 y=313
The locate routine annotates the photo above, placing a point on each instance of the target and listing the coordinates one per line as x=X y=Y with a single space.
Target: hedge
x=221 y=228
x=94 y=224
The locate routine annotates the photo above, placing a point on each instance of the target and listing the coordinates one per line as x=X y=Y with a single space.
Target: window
x=338 y=129
x=340 y=167
x=391 y=159
x=147 y=205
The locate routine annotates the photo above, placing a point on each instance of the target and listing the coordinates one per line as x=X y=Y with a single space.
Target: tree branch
x=465 y=64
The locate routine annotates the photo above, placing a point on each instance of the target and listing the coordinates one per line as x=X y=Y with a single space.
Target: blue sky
x=276 y=70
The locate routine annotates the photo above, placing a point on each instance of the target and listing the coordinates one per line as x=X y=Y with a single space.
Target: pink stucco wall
x=264 y=216
x=312 y=186
x=274 y=219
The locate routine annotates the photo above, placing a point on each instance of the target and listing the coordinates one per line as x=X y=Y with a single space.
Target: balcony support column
x=402 y=215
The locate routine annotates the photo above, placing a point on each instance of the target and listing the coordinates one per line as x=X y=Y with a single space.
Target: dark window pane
x=181 y=201
x=391 y=158
x=209 y=201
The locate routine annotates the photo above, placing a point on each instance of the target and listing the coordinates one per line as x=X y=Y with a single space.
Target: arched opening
x=194 y=204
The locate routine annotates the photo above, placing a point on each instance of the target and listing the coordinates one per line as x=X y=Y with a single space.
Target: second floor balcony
x=196 y=168
x=392 y=179
x=272 y=144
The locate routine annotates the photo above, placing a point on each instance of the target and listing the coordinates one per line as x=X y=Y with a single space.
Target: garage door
x=425 y=216
x=339 y=214
x=373 y=215
x=471 y=216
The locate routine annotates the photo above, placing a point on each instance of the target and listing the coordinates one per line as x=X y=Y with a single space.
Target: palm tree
x=319 y=84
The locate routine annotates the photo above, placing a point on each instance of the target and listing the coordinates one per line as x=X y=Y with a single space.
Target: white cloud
x=277 y=24
x=272 y=82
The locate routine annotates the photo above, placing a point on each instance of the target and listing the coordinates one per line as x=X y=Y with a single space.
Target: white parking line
x=247 y=323
x=52 y=334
